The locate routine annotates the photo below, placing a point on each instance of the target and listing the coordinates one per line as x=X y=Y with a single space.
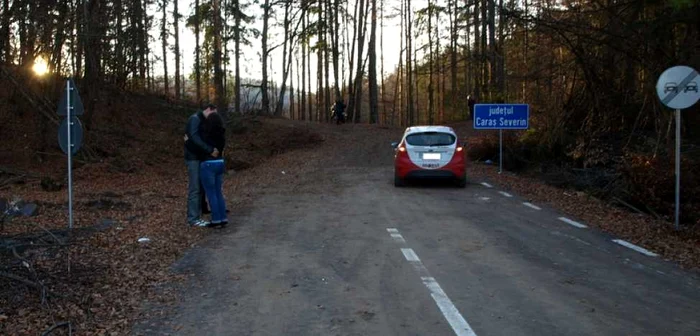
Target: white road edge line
x=505 y=194
x=486 y=185
x=635 y=247
x=410 y=255
x=528 y=204
x=572 y=223
x=398 y=237
x=459 y=325
x=392 y=230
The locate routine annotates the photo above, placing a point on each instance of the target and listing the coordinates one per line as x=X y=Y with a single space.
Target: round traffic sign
x=677 y=87
x=76 y=134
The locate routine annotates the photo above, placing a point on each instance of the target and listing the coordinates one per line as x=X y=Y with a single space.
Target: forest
x=588 y=69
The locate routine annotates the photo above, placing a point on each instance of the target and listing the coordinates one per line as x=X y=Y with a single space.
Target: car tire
x=398 y=182
x=462 y=182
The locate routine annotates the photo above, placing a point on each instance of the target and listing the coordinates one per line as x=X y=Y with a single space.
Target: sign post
x=677 y=88
x=70 y=157
x=70 y=134
x=500 y=117
x=500 y=151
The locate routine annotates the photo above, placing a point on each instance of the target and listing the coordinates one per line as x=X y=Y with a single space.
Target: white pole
x=69 y=107
x=500 y=151
x=678 y=167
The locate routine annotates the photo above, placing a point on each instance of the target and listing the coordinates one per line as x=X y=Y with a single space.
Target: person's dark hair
x=210 y=106
x=215 y=123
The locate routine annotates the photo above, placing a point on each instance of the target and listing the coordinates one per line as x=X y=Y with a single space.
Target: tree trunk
x=197 y=59
x=164 y=37
x=485 y=31
x=468 y=64
x=237 y=46
x=292 y=108
x=335 y=36
x=431 y=109
x=135 y=22
x=358 y=76
x=502 y=22
x=398 y=82
x=351 y=67
x=373 y=90
x=220 y=99
x=526 y=47
x=57 y=53
x=381 y=71
x=326 y=61
x=320 y=112
x=453 y=57
x=304 y=44
x=5 y=33
x=308 y=75
x=286 y=58
x=93 y=15
x=176 y=27
x=409 y=64
x=265 y=51
x=477 y=59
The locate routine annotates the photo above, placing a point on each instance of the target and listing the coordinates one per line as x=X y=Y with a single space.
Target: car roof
x=421 y=129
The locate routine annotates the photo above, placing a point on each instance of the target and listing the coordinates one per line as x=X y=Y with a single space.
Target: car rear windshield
x=430 y=139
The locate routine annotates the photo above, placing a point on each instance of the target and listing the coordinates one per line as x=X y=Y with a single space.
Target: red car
x=429 y=152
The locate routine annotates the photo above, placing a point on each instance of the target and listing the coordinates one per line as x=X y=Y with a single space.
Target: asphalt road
x=320 y=260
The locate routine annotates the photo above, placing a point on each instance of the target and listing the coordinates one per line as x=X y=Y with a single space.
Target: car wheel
x=462 y=182
x=398 y=182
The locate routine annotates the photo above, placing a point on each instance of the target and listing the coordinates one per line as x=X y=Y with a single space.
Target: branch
x=21 y=280
x=56 y=326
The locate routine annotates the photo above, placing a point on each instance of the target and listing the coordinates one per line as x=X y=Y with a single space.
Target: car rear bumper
x=433 y=174
x=408 y=170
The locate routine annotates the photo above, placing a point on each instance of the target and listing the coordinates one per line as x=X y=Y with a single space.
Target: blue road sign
x=501 y=116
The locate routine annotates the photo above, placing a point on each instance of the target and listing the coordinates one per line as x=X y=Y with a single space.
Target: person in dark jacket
x=339 y=111
x=195 y=150
x=471 y=102
x=212 y=167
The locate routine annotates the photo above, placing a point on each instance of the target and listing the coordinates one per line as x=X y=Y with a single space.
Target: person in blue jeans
x=196 y=149
x=212 y=167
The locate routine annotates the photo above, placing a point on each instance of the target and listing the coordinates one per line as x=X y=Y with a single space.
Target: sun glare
x=40 y=66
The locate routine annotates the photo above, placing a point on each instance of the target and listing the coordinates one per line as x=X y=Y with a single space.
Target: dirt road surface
x=330 y=247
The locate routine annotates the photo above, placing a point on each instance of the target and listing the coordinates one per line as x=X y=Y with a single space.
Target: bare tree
x=176 y=49
x=164 y=38
x=265 y=54
x=197 y=58
x=373 y=90
x=221 y=101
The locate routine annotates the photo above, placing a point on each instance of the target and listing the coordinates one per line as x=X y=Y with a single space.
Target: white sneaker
x=200 y=223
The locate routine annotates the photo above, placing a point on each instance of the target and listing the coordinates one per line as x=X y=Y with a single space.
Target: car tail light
x=460 y=148
x=402 y=149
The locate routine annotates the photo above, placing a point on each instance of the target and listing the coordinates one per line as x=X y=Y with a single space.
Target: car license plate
x=430 y=165
x=431 y=156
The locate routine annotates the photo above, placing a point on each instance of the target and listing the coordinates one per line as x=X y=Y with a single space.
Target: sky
x=250 y=63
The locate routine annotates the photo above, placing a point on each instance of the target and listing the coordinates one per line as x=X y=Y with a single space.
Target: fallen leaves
x=111 y=273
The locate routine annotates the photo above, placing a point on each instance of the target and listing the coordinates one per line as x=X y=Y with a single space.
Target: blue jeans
x=194 y=202
x=212 y=175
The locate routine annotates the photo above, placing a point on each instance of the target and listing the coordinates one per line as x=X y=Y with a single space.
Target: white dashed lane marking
x=635 y=247
x=530 y=205
x=459 y=325
x=572 y=223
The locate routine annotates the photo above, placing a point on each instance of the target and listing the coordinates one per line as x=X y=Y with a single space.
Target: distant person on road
x=471 y=102
x=339 y=111
x=196 y=149
x=212 y=168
